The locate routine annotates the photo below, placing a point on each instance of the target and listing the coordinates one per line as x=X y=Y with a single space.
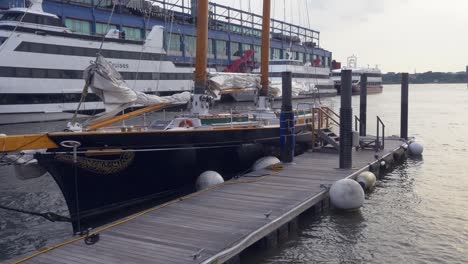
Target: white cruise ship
x=374 y=77
x=42 y=62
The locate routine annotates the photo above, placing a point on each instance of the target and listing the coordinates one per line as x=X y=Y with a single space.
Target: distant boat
x=374 y=77
x=309 y=80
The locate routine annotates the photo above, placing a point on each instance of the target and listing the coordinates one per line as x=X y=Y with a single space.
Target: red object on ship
x=244 y=64
x=336 y=65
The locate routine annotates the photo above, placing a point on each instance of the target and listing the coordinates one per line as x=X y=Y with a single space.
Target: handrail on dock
x=380 y=123
x=322 y=117
x=328 y=114
x=356 y=122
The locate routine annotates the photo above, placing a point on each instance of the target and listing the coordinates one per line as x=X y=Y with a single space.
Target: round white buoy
x=416 y=148
x=264 y=162
x=347 y=194
x=366 y=179
x=208 y=179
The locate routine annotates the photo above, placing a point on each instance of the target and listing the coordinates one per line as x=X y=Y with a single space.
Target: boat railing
x=224 y=18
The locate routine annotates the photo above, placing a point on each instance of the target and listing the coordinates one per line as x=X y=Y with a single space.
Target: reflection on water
x=417 y=214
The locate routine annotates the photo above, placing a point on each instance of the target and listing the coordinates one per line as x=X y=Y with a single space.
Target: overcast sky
x=398 y=35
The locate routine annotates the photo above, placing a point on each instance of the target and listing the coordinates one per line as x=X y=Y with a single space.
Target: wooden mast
x=263 y=94
x=202 y=46
x=200 y=105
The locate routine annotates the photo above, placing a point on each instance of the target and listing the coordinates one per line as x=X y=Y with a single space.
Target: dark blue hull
x=102 y=183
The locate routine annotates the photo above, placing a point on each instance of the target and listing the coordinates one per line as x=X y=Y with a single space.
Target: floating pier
x=260 y=208
x=217 y=224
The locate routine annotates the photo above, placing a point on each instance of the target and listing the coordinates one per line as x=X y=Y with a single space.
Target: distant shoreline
x=425 y=82
x=426 y=77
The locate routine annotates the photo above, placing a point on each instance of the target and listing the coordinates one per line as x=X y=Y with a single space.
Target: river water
x=417 y=214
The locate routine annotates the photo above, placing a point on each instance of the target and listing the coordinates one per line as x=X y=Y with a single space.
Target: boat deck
x=217 y=224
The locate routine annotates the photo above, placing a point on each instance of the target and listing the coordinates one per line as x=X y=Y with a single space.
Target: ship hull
x=371 y=89
x=102 y=182
x=356 y=90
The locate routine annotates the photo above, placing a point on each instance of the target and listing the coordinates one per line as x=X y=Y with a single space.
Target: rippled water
x=417 y=214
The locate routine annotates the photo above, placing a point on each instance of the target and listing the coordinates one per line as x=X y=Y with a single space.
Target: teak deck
x=216 y=225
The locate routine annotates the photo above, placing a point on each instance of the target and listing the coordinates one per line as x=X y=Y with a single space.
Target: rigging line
x=14 y=29
x=158 y=81
x=312 y=40
x=142 y=47
x=107 y=28
x=84 y=93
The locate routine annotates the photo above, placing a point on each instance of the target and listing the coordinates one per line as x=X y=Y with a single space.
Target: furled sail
x=108 y=84
x=227 y=83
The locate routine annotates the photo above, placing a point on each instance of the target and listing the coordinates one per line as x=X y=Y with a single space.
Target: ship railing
x=233 y=20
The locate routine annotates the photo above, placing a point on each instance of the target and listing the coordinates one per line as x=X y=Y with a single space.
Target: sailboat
x=103 y=167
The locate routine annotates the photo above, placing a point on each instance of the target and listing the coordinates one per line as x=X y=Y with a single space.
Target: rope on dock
x=53 y=217
x=274 y=168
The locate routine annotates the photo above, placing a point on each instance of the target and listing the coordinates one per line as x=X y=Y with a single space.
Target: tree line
x=427 y=77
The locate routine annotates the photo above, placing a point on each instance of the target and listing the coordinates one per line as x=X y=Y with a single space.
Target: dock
x=216 y=225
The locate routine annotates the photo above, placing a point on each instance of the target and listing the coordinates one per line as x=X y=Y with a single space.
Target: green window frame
x=78 y=26
x=102 y=28
x=132 y=33
x=221 y=49
x=190 y=46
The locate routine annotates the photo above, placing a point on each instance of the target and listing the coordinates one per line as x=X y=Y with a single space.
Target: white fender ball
x=264 y=162
x=208 y=179
x=416 y=148
x=366 y=179
x=347 y=194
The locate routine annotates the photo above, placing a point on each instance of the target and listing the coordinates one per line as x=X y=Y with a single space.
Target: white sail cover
x=228 y=81
x=107 y=83
x=222 y=82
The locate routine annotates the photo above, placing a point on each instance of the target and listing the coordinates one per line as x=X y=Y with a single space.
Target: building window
x=83 y=2
x=258 y=52
x=190 y=46
x=221 y=49
x=235 y=49
x=102 y=29
x=246 y=47
x=132 y=33
x=300 y=56
x=211 y=51
x=104 y=3
x=275 y=54
x=78 y=26
x=174 y=44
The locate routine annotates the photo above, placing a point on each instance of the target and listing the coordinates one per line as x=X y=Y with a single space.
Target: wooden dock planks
x=233 y=214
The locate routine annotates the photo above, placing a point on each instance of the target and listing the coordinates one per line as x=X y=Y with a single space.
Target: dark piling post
x=287 y=120
x=363 y=106
x=404 y=106
x=346 y=121
x=466 y=76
